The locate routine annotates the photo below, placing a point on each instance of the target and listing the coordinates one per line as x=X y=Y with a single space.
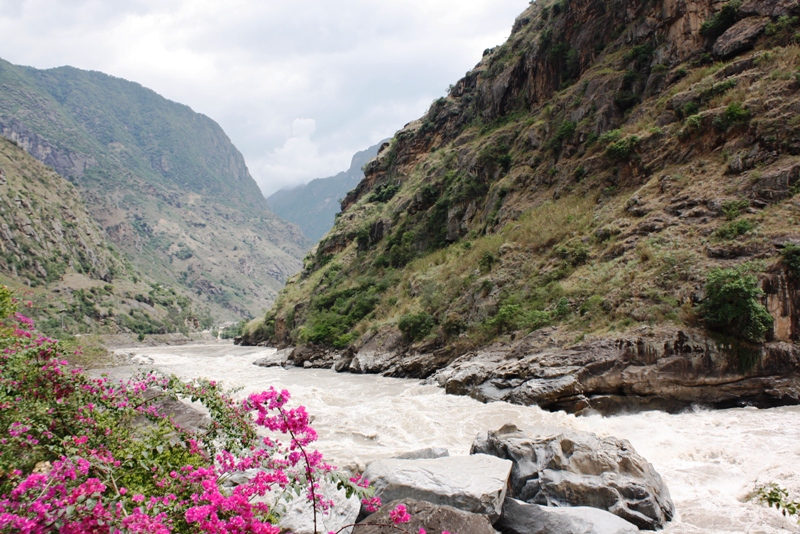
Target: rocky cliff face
x=579 y=188
x=165 y=184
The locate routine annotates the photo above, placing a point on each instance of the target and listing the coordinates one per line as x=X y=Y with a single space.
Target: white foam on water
x=710 y=460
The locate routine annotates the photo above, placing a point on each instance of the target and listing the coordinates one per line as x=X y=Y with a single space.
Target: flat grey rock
x=523 y=518
x=474 y=483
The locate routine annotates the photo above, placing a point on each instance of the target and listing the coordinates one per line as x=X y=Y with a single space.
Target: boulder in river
x=523 y=518
x=277 y=359
x=424 y=454
x=580 y=469
x=474 y=483
x=434 y=518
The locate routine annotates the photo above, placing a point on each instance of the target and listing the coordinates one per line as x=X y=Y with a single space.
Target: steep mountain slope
x=313 y=206
x=549 y=232
x=164 y=182
x=57 y=258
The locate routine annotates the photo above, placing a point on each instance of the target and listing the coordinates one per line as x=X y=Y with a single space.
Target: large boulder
x=523 y=518
x=275 y=359
x=740 y=37
x=580 y=469
x=434 y=518
x=474 y=483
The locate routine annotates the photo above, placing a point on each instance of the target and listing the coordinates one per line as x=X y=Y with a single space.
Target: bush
x=511 y=317
x=791 y=258
x=564 y=132
x=487 y=261
x=623 y=149
x=493 y=157
x=735 y=113
x=610 y=136
x=641 y=54
x=732 y=208
x=84 y=454
x=694 y=123
x=732 y=305
x=774 y=496
x=383 y=193
x=734 y=229
x=576 y=252
x=416 y=326
x=718 y=23
x=690 y=108
x=718 y=89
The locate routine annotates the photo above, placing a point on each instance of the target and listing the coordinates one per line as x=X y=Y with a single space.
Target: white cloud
x=298 y=86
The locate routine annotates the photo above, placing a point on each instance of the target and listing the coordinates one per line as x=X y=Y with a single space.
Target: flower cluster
x=82 y=454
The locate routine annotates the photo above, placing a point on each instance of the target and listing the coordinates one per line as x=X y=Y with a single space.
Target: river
x=710 y=460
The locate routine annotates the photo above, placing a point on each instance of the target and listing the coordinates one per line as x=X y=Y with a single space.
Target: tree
x=733 y=305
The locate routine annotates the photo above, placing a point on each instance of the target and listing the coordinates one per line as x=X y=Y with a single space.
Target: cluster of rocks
x=653 y=368
x=571 y=483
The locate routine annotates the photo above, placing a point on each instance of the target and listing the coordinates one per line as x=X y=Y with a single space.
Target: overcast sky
x=298 y=85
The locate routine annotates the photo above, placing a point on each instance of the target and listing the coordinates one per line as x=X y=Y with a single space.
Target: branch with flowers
x=82 y=454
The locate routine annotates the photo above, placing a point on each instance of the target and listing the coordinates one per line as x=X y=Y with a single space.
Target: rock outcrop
x=644 y=372
x=580 y=469
x=740 y=37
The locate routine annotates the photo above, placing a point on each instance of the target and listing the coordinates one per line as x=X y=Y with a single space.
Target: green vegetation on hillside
x=57 y=257
x=165 y=184
x=529 y=198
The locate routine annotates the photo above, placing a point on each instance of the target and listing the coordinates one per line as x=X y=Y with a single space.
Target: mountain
x=58 y=259
x=599 y=216
x=165 y=183
x=313 y=206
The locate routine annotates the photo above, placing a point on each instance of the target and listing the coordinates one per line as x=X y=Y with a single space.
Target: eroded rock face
x=580 y=469
x=740 y=37
x=523 y=518
x=475 y=484
x=431 y=517
x=662 y=370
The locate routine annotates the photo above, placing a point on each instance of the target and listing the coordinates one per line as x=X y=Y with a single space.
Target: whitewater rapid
x=710 y=460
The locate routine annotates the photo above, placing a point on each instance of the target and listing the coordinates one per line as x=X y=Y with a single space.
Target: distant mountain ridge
x=165 y=183
x=313 y=206
x=58 y=259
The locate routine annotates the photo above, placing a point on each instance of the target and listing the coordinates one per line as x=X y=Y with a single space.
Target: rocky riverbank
x=657 y=368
